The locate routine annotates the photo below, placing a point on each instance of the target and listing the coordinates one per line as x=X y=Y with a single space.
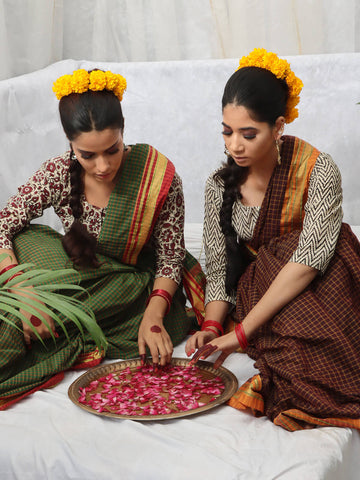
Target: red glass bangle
x=5 y=269
x=209 y=329
x=213 y=323
x=161 y=293
x=13 y=276
x=240 y=335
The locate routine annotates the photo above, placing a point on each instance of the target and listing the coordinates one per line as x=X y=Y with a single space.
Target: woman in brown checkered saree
x=122 y=209
x=276 y=248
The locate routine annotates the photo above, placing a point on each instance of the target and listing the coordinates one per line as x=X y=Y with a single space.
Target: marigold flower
x=81 y=81
x=111 y=80
x=97 y=80
x=119 y=90
x=261 y=58
x=62 y=86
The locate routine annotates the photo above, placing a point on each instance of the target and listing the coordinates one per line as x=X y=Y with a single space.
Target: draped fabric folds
x=117 y=290
x=308 y=355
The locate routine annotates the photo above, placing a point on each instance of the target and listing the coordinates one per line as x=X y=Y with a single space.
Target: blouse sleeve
x=214 y=244
x=41 y=191
x=323 y=216
x=168 y=234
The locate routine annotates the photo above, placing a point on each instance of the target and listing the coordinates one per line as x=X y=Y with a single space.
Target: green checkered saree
x=118 y=290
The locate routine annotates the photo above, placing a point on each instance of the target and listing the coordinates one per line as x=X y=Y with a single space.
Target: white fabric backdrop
x=36 y=33
x=176 y=107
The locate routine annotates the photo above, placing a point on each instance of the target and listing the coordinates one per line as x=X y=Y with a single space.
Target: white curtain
x=36 y=33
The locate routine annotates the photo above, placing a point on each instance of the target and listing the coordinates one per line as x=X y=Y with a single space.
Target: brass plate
x=207 y=370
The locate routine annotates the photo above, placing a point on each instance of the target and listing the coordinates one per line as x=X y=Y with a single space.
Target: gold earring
x=278 y=152
x=226 y=151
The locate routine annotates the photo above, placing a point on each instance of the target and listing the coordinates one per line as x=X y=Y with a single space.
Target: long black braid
x=78 y=243
x=233 y=176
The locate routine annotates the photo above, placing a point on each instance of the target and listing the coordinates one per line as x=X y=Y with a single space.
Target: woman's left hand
x=153 y=334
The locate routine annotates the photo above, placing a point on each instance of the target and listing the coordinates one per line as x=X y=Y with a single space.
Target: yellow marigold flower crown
x=81 y=81
x=261 y=58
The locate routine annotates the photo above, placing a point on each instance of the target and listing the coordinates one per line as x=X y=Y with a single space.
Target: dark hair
x=80 y=113
x=265 y=97
x=259 y=91
x=84 y=112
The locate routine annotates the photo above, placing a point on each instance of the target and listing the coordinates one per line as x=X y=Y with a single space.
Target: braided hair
x=80 y=113
x=265 y=97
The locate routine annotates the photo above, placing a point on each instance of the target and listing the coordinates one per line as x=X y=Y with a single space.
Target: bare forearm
x=217 y=310
x=289 y=283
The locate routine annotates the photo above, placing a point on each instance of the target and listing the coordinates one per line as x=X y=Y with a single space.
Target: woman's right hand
x=226 y=344
x=197 y=340
x=39 y=326
x=37 y=321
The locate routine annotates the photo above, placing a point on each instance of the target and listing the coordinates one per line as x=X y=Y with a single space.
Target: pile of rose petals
x=143 y=392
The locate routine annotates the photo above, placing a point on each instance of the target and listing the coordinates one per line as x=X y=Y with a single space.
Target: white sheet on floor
x=46 y=436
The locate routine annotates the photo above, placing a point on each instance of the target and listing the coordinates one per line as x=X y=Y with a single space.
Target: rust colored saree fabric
x=309 y=354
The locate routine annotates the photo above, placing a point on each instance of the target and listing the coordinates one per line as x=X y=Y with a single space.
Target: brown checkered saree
x=309 y=354
x=118 y=289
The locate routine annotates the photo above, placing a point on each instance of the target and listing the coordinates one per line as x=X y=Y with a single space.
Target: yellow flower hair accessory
x=261 y=58
x=81 y=81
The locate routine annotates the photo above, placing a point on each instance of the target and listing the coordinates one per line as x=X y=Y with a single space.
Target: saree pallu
x=308 y=355
x=116 y=291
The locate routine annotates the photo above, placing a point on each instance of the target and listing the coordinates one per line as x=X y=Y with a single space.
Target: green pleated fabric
x=117 y=294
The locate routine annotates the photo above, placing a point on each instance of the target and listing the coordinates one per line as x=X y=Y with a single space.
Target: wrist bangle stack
x=212 y=323
x=161 y=293
x=209 y=329
x=241 y=337
x=9 y=267
x=13 y=276
x=5 y=269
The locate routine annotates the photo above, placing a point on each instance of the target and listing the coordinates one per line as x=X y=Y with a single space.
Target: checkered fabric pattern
x=117 y=295
x=309 y=354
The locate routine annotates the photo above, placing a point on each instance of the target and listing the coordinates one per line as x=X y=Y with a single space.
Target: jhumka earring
x=226 y=151
x=72 y=154
x=278 y=152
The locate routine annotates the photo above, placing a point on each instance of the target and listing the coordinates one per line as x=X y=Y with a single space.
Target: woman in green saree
x=122 y=211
